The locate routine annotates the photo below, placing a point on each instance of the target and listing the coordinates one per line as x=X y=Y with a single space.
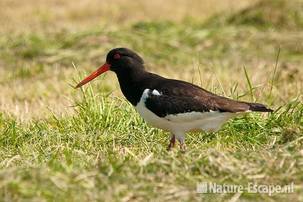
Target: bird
x=172 y=105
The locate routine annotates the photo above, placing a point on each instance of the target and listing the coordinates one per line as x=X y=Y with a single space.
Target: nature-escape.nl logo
x=210 y=187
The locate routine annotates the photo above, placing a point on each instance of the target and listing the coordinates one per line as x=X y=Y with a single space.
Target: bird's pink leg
x=172 y=142
x=182 y=147
x=181 y=140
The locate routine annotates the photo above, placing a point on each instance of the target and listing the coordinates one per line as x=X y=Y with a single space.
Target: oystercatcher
x=172 y=105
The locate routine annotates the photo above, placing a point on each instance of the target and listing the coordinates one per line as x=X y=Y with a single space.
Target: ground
x=62 y=144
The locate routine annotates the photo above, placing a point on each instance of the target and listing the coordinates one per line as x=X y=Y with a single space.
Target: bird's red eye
x=117 y=56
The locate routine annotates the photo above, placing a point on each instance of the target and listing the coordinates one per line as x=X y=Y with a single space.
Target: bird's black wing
x=180 y=97
x=163 y=105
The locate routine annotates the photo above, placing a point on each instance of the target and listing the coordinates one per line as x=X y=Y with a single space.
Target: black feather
x=164 y=105
x=257 y=107
x=176 y=96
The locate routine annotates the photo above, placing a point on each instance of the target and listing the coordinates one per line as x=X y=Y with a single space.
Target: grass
x=103 y=152
x=62 y=144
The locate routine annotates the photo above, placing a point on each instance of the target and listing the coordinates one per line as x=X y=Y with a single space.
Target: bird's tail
x=257 y=107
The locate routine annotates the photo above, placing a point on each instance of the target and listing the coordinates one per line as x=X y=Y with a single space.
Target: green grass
x=105 y=150
x=268 y=14
x=62 y=144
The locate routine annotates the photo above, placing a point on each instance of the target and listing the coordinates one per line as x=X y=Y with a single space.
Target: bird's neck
x=132 y=84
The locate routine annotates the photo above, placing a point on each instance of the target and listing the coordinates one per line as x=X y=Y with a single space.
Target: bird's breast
x=148 y=115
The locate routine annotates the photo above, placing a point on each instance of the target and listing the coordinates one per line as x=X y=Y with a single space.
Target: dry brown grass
x=31 y=15
x=39 y=95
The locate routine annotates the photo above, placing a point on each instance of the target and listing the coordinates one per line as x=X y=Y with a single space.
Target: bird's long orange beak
x=93 y=75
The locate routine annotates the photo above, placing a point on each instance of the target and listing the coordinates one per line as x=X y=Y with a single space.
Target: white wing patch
x=146 y=92
x=155 y=92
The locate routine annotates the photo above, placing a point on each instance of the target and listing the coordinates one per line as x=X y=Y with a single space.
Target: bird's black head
x=119 y=60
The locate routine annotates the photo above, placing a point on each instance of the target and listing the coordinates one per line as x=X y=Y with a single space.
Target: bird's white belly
x=207 y=121
x=152 y=118
x=183 y=122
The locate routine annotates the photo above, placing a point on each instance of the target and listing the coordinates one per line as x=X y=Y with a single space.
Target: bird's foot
x=182 y=147
x=171 y=143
